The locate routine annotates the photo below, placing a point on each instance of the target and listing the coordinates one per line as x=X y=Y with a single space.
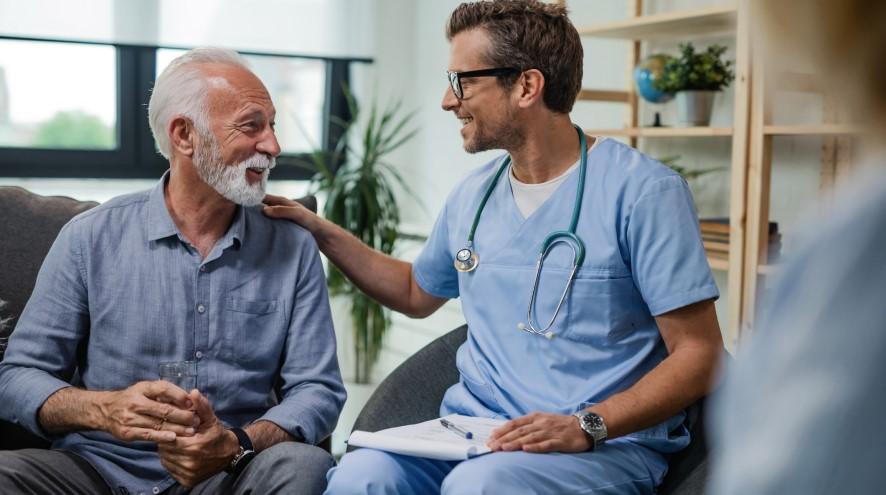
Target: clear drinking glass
x=180 y=373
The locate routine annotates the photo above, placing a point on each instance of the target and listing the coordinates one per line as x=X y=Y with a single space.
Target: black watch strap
x=243 y=438
x=244 y=455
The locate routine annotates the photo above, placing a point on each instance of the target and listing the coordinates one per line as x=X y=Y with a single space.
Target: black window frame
x=135 y=156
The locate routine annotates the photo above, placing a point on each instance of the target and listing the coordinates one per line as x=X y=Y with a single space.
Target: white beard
x=230 y=180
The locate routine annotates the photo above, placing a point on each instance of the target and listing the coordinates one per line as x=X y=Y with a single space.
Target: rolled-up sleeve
x=311 y=389
x=41 y=357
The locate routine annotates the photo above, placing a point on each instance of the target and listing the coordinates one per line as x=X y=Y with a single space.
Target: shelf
x=812 y=130
x=604 y=95
x=662 y=132
x=668 y=25
x=719 y=264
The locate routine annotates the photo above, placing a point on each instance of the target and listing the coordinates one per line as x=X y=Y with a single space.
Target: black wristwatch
x=244 y=455
x=593 y=426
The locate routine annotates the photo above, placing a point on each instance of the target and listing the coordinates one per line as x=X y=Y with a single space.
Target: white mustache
x=259 y=161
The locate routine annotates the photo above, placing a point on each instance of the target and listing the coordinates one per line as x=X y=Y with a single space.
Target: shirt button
x=155 y=490
x=198 y=354
x=201 y=309
x=202 y=268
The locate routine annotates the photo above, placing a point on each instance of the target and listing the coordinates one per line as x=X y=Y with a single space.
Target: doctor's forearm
x=384 y=278
x=678 y=381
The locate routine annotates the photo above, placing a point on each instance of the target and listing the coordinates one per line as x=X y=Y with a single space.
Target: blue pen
x=456 y=429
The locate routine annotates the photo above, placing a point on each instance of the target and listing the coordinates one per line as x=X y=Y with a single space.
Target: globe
x=647 y=71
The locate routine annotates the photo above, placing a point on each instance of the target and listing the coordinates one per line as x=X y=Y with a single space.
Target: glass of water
x=180 y=373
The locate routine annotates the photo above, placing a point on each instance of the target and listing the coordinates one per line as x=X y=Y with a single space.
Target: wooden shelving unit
x=650 y=132
x=812 y=130
x=752 y=134
x=732 y=19
x=698 y=22
x=836 y=150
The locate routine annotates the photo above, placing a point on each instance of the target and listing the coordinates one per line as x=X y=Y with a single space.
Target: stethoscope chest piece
x=466 y=260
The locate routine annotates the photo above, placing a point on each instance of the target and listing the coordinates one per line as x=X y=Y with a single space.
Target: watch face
x=594 y=422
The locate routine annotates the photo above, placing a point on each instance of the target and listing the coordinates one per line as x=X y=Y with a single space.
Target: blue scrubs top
x=644 y=257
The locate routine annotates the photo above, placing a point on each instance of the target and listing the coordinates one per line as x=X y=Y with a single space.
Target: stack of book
x=715 y=236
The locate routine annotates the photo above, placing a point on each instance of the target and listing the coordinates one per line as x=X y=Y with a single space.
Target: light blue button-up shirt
x=122 y=291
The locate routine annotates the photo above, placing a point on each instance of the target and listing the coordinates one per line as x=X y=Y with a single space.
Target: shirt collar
x=160 y=224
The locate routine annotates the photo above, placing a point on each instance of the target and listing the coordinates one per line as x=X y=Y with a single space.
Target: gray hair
x=181 y=91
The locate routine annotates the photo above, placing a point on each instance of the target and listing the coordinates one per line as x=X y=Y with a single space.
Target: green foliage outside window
x=74 y=129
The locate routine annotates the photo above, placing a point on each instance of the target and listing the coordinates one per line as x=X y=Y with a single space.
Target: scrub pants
x=617 y=467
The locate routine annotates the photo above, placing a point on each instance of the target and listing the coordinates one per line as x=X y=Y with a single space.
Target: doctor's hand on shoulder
x=284 y=208
x=540 y=432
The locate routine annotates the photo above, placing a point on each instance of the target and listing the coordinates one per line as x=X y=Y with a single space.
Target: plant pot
x=694 y=108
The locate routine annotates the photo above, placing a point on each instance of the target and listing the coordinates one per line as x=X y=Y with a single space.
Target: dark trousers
x=287 y=467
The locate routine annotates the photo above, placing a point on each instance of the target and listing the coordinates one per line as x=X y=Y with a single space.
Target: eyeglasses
x=456 y=77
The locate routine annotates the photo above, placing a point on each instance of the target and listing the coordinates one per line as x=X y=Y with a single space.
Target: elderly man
x=183 y=272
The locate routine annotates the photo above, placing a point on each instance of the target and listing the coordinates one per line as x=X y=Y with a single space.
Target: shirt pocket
x=254 y=331
x=602 y=309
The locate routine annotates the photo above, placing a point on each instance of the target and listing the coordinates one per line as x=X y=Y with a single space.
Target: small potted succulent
x=695 y=78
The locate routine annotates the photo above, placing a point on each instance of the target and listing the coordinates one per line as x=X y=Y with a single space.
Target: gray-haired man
x=183 y=272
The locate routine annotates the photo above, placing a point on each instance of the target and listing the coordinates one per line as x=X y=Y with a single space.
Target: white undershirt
x=530 y=196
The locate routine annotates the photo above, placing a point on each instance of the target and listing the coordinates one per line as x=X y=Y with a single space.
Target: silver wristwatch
x=593 y=426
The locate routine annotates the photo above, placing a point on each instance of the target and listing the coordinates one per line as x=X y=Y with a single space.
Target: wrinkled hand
x=540 y=432
x=280 y=207
x=156 y=411
x=191 y=460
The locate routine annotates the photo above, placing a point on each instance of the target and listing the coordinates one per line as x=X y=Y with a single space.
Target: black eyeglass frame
x=456 y=77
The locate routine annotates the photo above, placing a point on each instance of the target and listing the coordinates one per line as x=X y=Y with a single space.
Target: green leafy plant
x=359 y=186
x=696 y=71
x=688 y=174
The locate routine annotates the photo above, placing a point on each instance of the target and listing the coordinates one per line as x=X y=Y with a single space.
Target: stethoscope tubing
x=466 y=259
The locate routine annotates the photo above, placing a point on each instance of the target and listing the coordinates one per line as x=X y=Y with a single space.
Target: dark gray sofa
x=28 y=227
x=412 y=393
x=29 y=223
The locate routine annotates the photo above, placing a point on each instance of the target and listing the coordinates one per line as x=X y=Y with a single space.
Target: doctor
x=594 y=382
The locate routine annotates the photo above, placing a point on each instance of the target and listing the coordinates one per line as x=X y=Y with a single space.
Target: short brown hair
x=528 y=34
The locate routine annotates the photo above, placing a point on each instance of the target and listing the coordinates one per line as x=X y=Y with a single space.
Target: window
x=37 y=110
x=77 y=109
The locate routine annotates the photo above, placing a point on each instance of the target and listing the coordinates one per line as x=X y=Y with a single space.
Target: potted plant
x=358 y=184
x=695 y=78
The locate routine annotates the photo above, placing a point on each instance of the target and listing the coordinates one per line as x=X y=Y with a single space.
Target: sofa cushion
x=30 y=225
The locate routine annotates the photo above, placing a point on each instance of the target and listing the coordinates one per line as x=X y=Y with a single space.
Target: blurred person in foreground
x=803 y=409
x=185 y=271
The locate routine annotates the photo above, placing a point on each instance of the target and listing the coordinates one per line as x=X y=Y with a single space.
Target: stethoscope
x=466 y=259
